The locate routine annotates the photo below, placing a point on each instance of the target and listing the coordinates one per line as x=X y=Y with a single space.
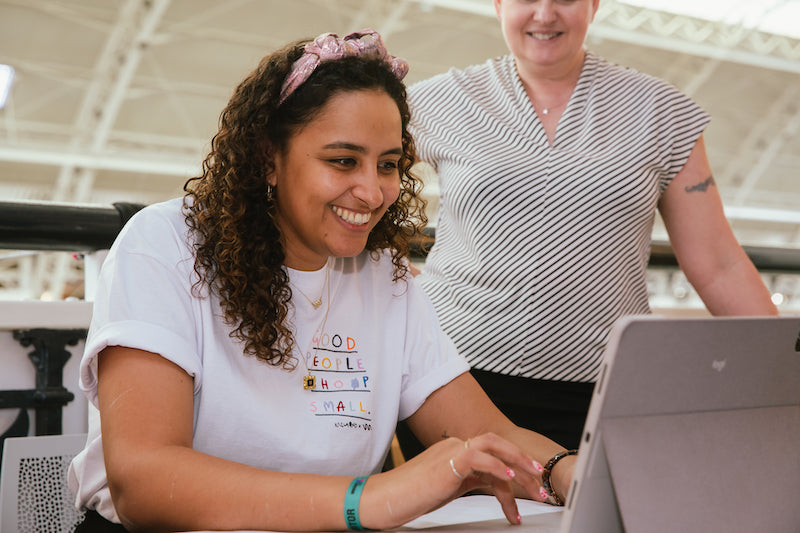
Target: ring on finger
x=453 y=468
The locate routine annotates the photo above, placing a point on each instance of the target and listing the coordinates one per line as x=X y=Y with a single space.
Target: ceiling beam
x=117 y=65
x=141 y=163
x=757 y=136
x=770 y=153
x=114 y=70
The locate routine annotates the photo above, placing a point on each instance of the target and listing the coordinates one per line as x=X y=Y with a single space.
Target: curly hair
x=231 y=215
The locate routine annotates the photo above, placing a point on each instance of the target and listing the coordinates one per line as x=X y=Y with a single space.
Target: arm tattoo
x=445 y=436
x=702 y=186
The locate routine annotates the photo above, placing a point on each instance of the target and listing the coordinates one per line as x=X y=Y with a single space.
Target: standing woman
x=254 y=343
x=551 y=165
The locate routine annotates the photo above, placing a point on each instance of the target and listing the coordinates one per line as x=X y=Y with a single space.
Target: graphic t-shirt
x=373 y=347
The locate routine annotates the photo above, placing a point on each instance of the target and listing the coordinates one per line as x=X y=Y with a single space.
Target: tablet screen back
x=694 y=426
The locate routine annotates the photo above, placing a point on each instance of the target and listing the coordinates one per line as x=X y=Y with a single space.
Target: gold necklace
x=310 y=380
x=318 y=302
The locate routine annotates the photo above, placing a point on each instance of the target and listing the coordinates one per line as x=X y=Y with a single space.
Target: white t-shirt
x=380 y=354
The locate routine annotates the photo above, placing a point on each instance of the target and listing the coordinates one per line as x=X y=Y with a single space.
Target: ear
x=272 y=177
x=595 y=7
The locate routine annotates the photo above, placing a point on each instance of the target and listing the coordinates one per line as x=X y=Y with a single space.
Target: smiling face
x=546 y=35
x=337 y=177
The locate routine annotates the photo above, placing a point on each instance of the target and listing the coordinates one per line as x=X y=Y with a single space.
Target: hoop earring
x=270 y=193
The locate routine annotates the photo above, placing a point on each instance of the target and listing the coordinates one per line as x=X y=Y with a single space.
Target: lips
x=542 y=36
x=352 y=217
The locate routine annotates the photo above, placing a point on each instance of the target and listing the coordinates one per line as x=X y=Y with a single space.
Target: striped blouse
x=540 y=249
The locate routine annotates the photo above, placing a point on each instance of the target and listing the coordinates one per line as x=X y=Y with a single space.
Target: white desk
x=483 y=513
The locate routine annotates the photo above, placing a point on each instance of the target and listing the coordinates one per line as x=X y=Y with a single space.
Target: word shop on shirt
x=341 y=373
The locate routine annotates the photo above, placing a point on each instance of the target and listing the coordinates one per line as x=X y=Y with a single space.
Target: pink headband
x=328 y=46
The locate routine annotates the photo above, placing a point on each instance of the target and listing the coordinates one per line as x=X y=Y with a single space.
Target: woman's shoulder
x=624 y=77
x=154 y=226
x=472 y=79
x=166 y=212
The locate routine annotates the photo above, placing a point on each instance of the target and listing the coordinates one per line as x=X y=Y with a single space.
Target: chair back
x=34 y=495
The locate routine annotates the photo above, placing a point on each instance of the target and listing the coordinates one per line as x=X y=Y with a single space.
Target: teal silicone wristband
x=351 y=499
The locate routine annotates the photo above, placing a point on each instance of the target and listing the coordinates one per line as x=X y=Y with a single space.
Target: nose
x=368 y=190
x=544 y=11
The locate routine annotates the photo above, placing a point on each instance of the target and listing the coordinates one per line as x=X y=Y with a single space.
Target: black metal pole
x=61 y=227
x=78 y=228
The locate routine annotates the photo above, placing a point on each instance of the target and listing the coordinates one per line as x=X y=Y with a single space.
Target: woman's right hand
x=446 y=470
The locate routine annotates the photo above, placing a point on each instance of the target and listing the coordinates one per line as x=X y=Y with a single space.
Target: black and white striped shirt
x=540 y=248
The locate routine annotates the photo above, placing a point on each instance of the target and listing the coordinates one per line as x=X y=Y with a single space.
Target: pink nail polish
x=543 y=493
x=510 y=473
x=538 y=467
x=519 y=519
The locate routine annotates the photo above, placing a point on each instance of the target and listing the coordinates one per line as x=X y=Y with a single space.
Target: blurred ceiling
x=116 y=100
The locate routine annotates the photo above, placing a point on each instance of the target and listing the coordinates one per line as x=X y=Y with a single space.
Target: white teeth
x=545 y=36
x=357 y=219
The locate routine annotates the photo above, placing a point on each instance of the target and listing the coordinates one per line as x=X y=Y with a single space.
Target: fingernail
x=543 y=493
x=519 y=519
x=510 y=473
x=538 y=467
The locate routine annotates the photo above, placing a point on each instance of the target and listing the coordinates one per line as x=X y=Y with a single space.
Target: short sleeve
x=144 y=299
x=679 y=123
x=420 y=101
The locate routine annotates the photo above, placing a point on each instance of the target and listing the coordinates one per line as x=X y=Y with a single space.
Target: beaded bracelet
x=351 y=500
x=548 y=468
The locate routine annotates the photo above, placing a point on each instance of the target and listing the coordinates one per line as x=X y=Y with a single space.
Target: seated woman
x=254 y=343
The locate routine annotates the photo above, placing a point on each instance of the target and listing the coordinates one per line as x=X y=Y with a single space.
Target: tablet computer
x=694 y=425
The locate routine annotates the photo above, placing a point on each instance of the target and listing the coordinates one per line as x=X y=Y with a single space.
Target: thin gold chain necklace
x=318 y=302
x=310 y=380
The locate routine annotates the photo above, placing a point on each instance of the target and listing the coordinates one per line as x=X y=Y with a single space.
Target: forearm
x=539 y=447
x=735 y=289
x=480 y=416
x=177 y=488
x=705 y=245
x=393 y=498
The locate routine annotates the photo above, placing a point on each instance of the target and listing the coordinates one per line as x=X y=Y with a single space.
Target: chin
x=350 y=250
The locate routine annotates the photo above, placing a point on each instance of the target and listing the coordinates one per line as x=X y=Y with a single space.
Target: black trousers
x=93 y=522
x=556 y=409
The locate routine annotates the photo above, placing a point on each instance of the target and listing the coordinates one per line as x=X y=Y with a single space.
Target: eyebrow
x=358 y=148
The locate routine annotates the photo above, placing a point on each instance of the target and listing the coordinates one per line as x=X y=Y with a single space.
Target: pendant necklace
x=310 y=380
x=318 y=302
x=546 y=110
